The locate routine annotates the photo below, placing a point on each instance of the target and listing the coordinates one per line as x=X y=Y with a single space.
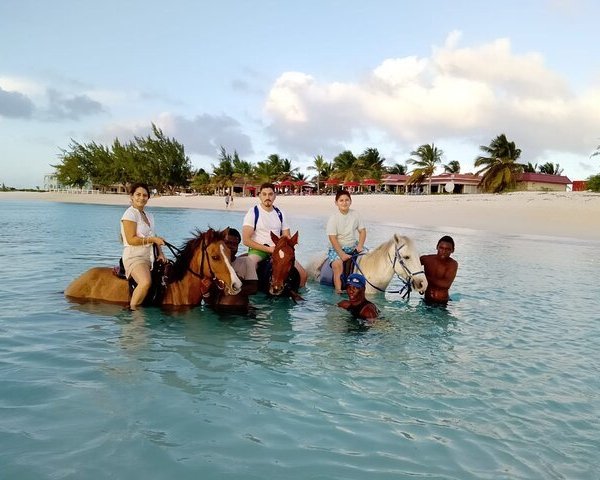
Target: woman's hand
x=157 y=241
x=344 y=256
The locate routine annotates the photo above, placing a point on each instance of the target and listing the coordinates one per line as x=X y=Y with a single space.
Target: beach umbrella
x=332 y=181
x=285 y=183
x=370 y=181
x=300 y=183
x=351 y=184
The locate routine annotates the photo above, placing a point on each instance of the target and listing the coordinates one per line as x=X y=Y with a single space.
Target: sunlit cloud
x=458 y=92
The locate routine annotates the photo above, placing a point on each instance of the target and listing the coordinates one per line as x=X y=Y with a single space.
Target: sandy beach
x=556 y=214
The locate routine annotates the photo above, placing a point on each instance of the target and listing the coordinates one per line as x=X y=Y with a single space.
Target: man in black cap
x=357 y=304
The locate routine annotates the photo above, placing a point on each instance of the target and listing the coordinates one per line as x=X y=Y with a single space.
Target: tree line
x=161 y=162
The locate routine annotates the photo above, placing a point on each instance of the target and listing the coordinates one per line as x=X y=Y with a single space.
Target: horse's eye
x=406 y=257
x=215 y=257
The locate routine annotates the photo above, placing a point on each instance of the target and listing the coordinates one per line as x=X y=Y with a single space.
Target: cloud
x=15 y=105
x=205 y=134
x=24 y=98
x=472 y=93
x=71 y=108
x=202 y=135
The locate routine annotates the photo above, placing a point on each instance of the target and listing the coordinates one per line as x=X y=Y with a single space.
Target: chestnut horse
x=277 y=276
x=203 y=260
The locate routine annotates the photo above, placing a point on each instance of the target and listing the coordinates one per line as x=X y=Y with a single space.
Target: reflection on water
x=500 y=383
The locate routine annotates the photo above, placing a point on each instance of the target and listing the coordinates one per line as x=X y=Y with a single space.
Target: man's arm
x=449 y=274
x=369 y=311
x=441 y=276
x=247 y=232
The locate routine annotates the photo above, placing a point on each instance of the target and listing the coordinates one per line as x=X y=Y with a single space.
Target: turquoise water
x=503 y=384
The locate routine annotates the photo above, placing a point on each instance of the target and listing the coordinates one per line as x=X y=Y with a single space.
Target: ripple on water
x=502 y=383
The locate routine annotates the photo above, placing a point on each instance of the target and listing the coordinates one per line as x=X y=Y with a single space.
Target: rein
x=177 y=253
x=406 y=288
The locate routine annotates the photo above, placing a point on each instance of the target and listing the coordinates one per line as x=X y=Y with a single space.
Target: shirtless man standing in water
x=440 y=271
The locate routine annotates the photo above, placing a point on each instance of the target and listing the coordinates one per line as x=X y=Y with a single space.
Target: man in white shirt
x=258 y=224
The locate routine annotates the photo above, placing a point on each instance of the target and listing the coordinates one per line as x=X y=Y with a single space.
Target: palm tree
x=500 y=167
x=347 y=167
x=243 y=172
x=397 y=169
x=286 y=171
x=530 y=168
x=428 y=156
x=222 y=175
x=597 y=152
x=319 y=166
x=372 y=163
x=452 y=167
x=550 y=168
x=266 y=171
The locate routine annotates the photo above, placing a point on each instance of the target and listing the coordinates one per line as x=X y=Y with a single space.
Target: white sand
x=560 y=214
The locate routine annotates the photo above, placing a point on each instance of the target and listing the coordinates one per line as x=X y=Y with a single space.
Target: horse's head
x=213 y=260
x=283 y=259
x=407 y=263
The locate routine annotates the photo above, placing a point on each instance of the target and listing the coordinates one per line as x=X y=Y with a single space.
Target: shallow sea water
x=501 y=384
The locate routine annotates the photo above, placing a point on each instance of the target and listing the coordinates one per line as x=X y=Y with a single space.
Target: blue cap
x=356 y=280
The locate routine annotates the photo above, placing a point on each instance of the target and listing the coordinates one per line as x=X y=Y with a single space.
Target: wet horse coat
x=277 y=275
x=202 y=261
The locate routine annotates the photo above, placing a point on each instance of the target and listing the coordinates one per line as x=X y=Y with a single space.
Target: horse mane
x=382 y=249
x=186 y=253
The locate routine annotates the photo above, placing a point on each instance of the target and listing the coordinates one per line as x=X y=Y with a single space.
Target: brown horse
x=278 y=277
x=203 y=261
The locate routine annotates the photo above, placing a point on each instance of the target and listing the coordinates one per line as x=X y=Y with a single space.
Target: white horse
x=396 y=256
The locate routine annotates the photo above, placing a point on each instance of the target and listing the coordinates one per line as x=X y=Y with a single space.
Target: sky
x=300 y=79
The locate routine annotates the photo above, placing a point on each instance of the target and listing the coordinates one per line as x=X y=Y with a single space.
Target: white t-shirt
x=345 y=227
x=267 y=222
x=142 y=228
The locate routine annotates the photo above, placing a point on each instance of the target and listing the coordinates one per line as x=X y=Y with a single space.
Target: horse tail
x=314 y=267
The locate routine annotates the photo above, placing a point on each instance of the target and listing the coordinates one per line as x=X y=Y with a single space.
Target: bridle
x=205 y=255
x=406 y=287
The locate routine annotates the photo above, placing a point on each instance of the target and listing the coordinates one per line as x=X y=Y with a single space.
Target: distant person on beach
x=140 y=241
x=440 y=271
x=259 y=222
x=347 y=234
x=357 y=304
x=228 y=200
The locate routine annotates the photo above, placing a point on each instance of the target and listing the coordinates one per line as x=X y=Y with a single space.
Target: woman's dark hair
x=341 y=192
x=135 y=186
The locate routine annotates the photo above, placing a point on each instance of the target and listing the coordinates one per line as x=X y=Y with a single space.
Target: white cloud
x=24 y=86
x=457 y=93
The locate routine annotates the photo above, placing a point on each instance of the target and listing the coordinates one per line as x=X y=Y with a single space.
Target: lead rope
x=406 y=288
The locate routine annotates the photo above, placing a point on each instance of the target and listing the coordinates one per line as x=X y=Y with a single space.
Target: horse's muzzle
x=419 y=283
x=276 y=289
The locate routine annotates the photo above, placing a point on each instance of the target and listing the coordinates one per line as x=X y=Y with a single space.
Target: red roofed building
x=536 y=182
x=446 y=182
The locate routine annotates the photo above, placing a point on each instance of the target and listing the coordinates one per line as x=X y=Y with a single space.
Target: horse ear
x=274 y=237
x=294 y=239
x=396 y=238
